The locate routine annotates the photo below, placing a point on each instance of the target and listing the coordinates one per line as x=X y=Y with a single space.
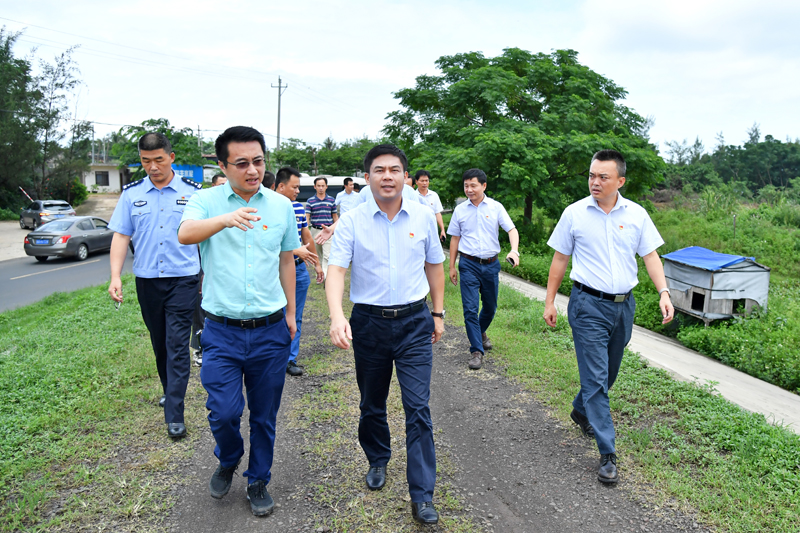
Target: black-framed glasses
x=244 y=165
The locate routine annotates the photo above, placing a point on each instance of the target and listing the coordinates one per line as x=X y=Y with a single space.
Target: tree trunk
x=528 y=214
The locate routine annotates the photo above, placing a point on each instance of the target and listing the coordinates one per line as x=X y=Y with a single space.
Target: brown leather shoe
x=476 y=361
x=487 y=344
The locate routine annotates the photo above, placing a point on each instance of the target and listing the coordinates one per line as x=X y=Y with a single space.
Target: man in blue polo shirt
x=246 y=234
x=474 y=229
x=167 y=272
x=322 y=214
x=393 y=250
x=287 y=183
x=603 y=233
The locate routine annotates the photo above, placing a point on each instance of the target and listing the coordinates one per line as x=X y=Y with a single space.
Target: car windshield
x=56 y=225
x=57 y=206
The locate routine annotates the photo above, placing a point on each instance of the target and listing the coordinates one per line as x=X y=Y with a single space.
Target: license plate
x=58 y=216
x=42 y=241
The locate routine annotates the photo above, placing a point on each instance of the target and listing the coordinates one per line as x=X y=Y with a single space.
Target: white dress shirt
x=479 y=227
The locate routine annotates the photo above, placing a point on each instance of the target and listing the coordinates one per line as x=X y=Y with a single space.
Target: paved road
x=24 y=281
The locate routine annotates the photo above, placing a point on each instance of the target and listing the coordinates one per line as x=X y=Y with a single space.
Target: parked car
x=335 y=185
x=44 y=211
x=69 y=237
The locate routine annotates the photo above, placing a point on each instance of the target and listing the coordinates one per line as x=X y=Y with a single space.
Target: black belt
x=392 y=311
x=604 y=295
x=478 y=259
x=247 y=323
x=298 y=261
x=317 y=226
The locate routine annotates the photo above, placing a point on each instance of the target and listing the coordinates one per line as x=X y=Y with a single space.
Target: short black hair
x=421 y=173
x=357 y=186
x=384 y=149
x=236 y=134
x=612 y=155
x=320 y=178
x=285 y=174
x=347 y=180
x=474 y=173
x=269 y=179
x=154 y=141
x=216 y=178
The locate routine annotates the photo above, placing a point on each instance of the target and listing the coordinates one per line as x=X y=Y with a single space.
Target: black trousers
x=167 y=307
x=379 y=344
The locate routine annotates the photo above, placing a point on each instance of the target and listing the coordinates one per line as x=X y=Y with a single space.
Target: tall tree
x=530 y=121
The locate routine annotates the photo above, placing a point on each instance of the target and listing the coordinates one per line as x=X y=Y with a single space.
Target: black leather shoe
x=293 y=369
x=376 y=477
x=221 y=480
x=261 y=503
x=162 y=402
x=176 y=429
x=607 y=473
x=424 y=512
x=583 y=423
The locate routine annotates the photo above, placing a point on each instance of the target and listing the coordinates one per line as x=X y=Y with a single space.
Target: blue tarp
x=704 y=258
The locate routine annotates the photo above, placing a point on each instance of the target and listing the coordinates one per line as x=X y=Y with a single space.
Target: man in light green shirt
x=246 y=235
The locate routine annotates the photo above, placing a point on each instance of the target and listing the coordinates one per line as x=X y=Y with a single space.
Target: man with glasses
x=246 y=235
x=167 y=272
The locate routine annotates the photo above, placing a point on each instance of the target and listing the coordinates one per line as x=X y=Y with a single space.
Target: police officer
x=391 y=244
x=167 y=273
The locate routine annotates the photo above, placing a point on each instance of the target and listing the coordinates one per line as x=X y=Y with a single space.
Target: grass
x=82 y=439
x=680 y=443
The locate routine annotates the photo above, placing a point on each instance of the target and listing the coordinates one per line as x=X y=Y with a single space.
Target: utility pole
x=199 y=142
x=280 y=92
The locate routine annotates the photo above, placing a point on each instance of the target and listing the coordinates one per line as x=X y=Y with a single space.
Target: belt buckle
x=619 y=298
x=252 y=321
x=394 y=313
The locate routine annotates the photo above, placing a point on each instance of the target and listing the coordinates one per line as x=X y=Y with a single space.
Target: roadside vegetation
x=82 y=439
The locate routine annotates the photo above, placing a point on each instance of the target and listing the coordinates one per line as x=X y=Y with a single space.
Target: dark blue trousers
x=167 y=306
x=378 y=344
x=259 y=355
x=478 y=281
x=600 y=329
x=300 y=293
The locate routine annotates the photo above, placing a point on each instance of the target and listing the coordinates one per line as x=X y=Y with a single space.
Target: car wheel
x=35 y=224
x=22 y=224
x=83 y=252
x=41 y=258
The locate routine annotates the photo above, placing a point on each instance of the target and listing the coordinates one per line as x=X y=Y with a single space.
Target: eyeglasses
x=244 y=165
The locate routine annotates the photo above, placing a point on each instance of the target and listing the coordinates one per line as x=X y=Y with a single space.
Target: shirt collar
x=230 y=192
x=621 y=202
x=171 y=182
x=374 y=208
x=483 y=201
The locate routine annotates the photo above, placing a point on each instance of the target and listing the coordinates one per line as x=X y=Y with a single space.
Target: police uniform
x=391 y=324
x=166 y=277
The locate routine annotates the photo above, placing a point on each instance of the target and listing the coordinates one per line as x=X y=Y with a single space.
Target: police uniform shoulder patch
x=132 y=184
x=190 y=181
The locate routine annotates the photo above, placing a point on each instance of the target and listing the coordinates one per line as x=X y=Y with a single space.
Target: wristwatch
x=438 y=315
x=665 y=289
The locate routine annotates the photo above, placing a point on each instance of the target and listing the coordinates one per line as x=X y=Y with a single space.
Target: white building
x=103 y=177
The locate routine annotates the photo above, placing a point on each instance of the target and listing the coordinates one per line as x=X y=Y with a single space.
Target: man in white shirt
x=423 y=179
x=603 y=233
x=474 y=230
x=348 y=198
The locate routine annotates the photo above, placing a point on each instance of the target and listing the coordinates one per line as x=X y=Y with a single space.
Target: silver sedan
x=69 y=237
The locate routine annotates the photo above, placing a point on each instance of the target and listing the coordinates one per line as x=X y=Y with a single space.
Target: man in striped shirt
x=321 y=214
x=287 y=183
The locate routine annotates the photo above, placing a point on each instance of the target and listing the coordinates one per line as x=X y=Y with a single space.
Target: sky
x=699 y=68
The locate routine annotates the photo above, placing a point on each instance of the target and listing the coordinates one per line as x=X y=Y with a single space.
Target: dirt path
x=505 y=465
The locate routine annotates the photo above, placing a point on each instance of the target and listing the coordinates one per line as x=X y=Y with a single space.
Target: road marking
x=54 y=269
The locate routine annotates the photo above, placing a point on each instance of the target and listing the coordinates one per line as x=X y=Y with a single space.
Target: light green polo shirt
x=241 y=275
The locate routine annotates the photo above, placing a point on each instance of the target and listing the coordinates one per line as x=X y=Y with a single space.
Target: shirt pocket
x=141 y=218
x=272 y=236
x=628 y=240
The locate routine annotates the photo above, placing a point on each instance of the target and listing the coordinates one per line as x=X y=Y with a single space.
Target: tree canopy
x=336 y=159
x=531 y=121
